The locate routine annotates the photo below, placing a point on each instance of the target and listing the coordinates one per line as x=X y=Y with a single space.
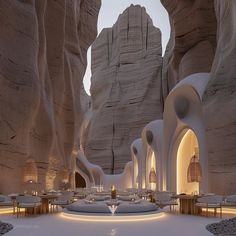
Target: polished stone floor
x=54 y=224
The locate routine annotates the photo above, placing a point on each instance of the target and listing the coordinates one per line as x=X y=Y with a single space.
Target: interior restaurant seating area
x=99 y=204
x=117 y=117
x=91 y=200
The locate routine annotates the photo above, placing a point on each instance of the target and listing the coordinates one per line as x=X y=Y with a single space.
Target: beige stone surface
x=167 y=82
x=43 y=46
x=194 y=29
x=125 y=89
x=220 y=103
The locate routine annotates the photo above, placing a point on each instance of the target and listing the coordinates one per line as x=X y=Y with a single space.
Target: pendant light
x=152 y=176
x=194 y=169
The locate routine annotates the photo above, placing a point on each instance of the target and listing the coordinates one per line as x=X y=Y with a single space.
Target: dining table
x=45 y=200
x=187 y=204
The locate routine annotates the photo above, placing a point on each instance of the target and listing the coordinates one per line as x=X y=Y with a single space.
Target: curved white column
x=183 y=111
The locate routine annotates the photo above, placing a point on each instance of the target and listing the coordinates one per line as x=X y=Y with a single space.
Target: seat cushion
x=96 y=207
x=212 y=205
x=2 y=199
x=229 y=204
x=6 y=203
x=99 y=198
x=131 y=207
x=28 y=205
x=167 y=202
x=126 y=198
x=59 y=202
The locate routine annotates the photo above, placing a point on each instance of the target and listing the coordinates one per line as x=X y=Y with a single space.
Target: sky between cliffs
x=109 y=13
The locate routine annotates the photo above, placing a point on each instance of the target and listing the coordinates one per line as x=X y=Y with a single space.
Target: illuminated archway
x=185 y=152
x=135 y=173
x=151 y=176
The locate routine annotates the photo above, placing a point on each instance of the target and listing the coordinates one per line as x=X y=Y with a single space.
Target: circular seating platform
x=105 y=206
x=112 y=210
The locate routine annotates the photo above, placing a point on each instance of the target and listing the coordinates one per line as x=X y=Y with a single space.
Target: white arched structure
x=183 y=112
x=152 y=135
x=94 y=175
x=171 y=140
x=137 y=156
x=188 y=147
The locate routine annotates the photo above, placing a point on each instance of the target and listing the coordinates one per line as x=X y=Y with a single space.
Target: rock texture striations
x=126 y=74
x=220 y=103
x=43 y=46
x=193 y=40
x=167 y=81
x=197 y=27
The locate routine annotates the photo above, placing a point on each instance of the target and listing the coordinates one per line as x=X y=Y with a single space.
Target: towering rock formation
x=126 y=74
x=220 y=103
x=167 y=81
x=43 y=46
x=193 y=41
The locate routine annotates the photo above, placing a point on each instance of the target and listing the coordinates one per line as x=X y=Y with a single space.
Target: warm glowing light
x=152 y=171
x=30 y=171
x=185 y=152
x=224 y=210
x=75 y=152
x=136 y=177
x=113 y=192
x=8 y=210
x=113 y=218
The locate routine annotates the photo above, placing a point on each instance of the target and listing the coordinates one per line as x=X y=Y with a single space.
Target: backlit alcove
x=151 y=169
x=135 y=170
x=187 y=149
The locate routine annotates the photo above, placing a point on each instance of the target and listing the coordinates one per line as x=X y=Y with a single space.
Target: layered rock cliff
x=43 y=46
x=126 y=74
x=193 y=40
x=220 y=103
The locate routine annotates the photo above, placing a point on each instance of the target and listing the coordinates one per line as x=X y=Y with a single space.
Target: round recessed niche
x=135 y=151
x=149 y=137
x=181 y=107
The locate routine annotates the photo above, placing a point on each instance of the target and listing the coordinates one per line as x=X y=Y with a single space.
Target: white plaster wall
x=190 y=89
x=156 y=147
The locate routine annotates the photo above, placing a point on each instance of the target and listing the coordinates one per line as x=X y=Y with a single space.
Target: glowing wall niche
x=135 y=172
x=184 y=154
x=151 y=177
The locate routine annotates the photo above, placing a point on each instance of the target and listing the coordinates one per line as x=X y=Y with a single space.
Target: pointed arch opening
x=186 y=150
x=135 y=172
x=79 y=181
x=151 y=169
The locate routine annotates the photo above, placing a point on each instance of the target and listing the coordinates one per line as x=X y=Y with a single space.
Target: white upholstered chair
x=5 y=201
x=27 y=202
x=211 y=201
x=165 y=199
x=230 y=201
x=65 y=199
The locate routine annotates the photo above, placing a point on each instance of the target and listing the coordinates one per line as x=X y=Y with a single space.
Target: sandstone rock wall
x=167 y=82
x=194 y=39
x=43 y=46
x=220 y=103
x=125 y=89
